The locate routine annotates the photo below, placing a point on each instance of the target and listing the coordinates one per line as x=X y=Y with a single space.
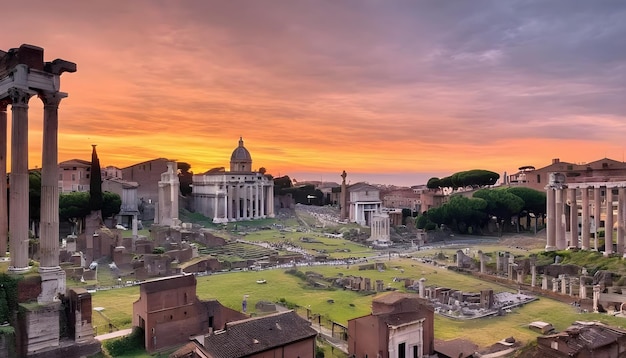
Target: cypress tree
x=95 y=182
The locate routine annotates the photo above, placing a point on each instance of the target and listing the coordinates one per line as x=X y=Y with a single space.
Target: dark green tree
x=34 y=196
x=95 y=182
x=433 y=183
x=501 y=204
x=534 y=202
x=185 y=178
x=111 y=204
x=464 y=213
x=74 y=207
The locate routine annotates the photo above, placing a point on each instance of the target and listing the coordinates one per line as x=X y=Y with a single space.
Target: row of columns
x=244 y=203
x=17 y=228
x=561 y=197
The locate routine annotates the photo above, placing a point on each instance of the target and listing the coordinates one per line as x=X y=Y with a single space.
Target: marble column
x=4 y=219
x=550 y=210
x=564 y=284
x=608 y=222
x=18 y=197
x=481 y=255
x=597 y=211
x=52 y=276
x=561 y=243
x=585 y=227
x=533 y=275
x=582 y=293
x=621 y=200
x=421 y=287
x=596 y=297
x=229 y=202
x=271 y=199
x=216 y=207
x=555 y=285
x=544 y=282
x=573 y=218
x=263 y=201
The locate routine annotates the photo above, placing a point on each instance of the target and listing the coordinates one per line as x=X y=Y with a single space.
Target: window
x=402 y=350
x=73 y=177
x=538 y=178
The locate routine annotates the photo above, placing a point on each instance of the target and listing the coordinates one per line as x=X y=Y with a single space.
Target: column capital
x=19 y=97
x=51 y=99
x=4 y=102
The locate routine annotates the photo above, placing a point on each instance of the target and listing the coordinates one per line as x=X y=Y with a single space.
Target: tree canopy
x=95 y=183
x=185 y=178
x=475 y=178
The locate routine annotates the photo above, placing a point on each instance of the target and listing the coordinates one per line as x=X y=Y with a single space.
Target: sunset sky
x=390 y=91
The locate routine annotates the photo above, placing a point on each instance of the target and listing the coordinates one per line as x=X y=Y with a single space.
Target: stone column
x=270 y=190
x=544 y=282
x=585 y=227
x=608 y=222
x=621 y=200
x=559 y=216
x=216 y=206
x=582 y=293
x=52 y=276
x=573 y=218
x=421 y=287
x=481 y=255
x=563 y=284
x=596 y=297
x=533 y=275
x=229 y=202
x=4 y=219
x=555 y=285
x=18 y=198
x=49 y=241
x=597 y=211
x=263 y=201
x=550 y=210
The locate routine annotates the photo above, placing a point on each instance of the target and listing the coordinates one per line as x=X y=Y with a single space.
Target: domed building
x=235 y=195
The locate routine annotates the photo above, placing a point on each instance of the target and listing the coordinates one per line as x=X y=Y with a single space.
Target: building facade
x=401 y=325
x=74 y=175
x=169 y=312
x=147 y=175
x=363 y=202
x=235 y=195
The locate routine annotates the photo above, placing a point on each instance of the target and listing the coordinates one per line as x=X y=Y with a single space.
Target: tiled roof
x=254 y=335
x=586 y=336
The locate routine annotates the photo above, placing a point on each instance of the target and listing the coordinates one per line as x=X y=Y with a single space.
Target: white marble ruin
x=572 y=204
x=380 y=230
x=169 y=187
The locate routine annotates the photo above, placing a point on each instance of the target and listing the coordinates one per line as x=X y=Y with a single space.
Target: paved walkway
x=326 y=334
x=120 y=333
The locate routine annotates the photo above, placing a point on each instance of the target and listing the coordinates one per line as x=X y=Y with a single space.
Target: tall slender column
x=550 y=211
x=597 y=211
x=584 y=229
x=560 y=225
x=257 y=212
x=18 y=198
x=52 y=276
x=263 y=201
x=229 y=202
x=608 y=222
x=573 y=218
x=216 y=206
x=49 y=249
x=4 y=218
x=621 y=200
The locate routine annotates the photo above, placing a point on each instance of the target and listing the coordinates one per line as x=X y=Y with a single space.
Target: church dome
x=240 y=160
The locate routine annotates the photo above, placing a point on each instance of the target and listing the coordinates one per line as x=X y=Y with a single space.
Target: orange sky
x=390 y=91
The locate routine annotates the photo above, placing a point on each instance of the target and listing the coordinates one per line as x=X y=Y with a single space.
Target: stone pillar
x=544 y=282
x=459 y=258
x=597 y=210
x=573 y=218
x=4 y=219
x=262 y=201
x=621 y=201
x=533 y=275
x=585 y=224
x=596 y=297
x=271 y=200
x=608 y=222
x=582 y=292
x=555 y=285
x=229 y=202
x=18 y=198
x=560 y=220
x=421 y=287
x=563 y=284
x=550 y=210
x=481 y=255
x=216 y=206
x=343 y=202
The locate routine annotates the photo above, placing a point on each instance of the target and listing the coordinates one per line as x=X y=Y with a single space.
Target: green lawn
x=229 y=289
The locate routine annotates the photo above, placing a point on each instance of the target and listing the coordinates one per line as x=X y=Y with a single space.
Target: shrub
x=132 y=342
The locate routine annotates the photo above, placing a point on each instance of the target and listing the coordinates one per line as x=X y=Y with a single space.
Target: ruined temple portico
x=572 y=221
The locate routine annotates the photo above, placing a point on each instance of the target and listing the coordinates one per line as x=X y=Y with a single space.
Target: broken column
x=421 y=287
